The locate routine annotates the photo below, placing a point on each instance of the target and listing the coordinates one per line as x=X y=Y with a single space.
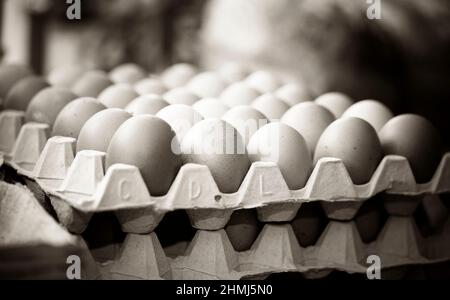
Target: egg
x=335 y=102
x=91 y=83
x=217 y=145
x=272 y=107
x=150 y=86
x=232 y=72
x=65 y=76
x=180 y=117
x=148 y=143
x=146 y=104
x=372 y=111
x=293 y=93
x=210 y=108
x=46 y=105
x=263 y=81
x=178 y=75
x=238 y=93
x=310 y=120
x=127 y=73
x=9 y=75
x=98 y=131
x=246 y=120
x=242 y=229
x=206 y=84
x=282 y=144
x=180 y=96
x=117 y=95
x=72 y=117
x=20 y=95
x=415 y=138
x=356 y=143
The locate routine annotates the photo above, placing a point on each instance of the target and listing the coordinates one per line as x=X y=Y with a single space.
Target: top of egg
x=293 y=93
x=271 y=106
x=117 y=95
x=46 y=105
x=206 y=84
x=65 y=76
x=91 y=83
x=178 y=75
x=72 y=117
x=98 y=130
x=335 y=102
x=150 y=86
x=356 y=143
x=127 y=73
x=372 y=111
x=309 y=119
x=180 y=117
x=246 y=119
x=263 y=81
x=20 y=95
x=210 y=108
x=10 y=74
x=146 y=104
x=238 y=93
x=180 y=96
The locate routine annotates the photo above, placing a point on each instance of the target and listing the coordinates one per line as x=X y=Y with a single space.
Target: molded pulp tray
x=78 y=187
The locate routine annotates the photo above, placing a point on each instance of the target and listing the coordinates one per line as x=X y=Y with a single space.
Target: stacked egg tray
x=78 y=187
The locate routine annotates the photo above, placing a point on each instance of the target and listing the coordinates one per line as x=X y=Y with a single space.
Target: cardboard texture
x=24 y=223
x=79 y=186
x=141 y=257
x=29 y=144
x=10 y=123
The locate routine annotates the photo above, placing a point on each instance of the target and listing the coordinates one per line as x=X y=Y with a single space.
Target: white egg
x=206 y=84
x=374 y=112
x=180 y=117
x=293 y=94
x=178 y=75
x=263 y=81
x=309 y=119
x=220 y=147
x=117 y=95
x=150 y=86
x=146 y=104
x=246 y=119
x=238 y=93
x=335 y=102
x=356 y=143
x=127 y=73
x=180 y=96
x=65 y=76
x=282 y=144
x=271 y=106
x=210 y=108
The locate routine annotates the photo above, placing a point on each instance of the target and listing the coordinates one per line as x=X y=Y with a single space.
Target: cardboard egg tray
x=78 y=187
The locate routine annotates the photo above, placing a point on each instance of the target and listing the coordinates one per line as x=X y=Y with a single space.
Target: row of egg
x=225 y=120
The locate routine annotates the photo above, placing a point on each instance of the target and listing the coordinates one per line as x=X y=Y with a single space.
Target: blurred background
x=402 y=59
